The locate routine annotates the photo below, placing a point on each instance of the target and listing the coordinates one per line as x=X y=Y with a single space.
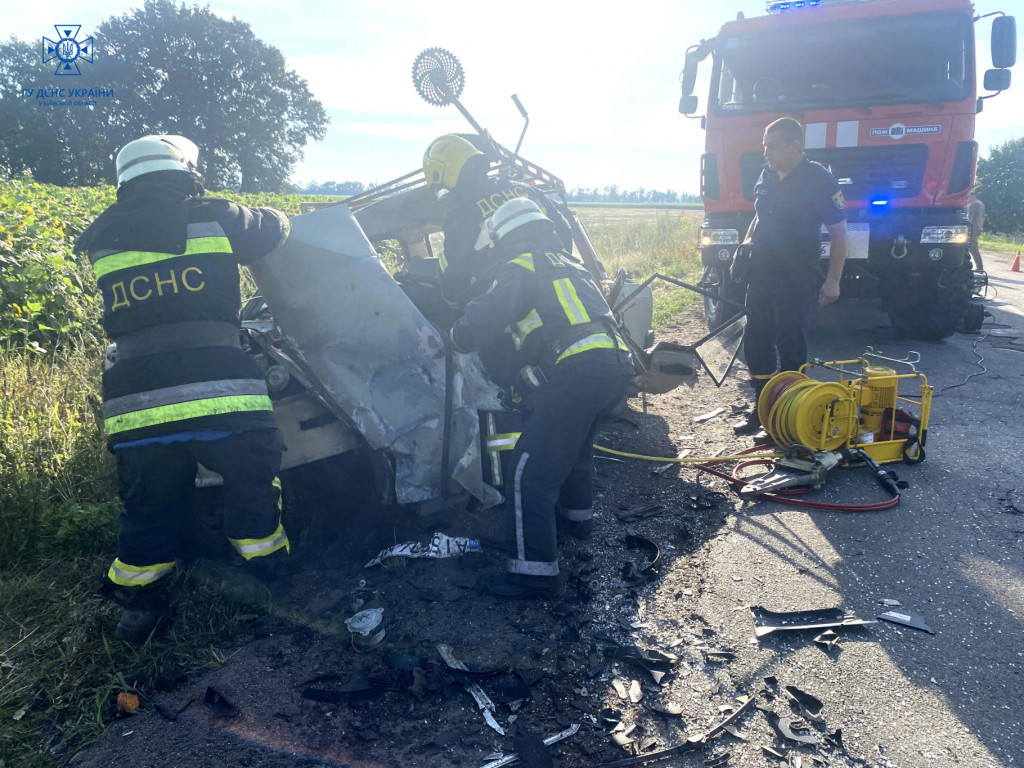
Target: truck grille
x=863 y=173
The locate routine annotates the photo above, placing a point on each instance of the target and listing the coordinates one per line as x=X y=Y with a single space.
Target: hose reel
x=860 y=411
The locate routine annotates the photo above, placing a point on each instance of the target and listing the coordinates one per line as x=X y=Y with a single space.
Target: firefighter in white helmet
x=182 y=391
x=573 y=367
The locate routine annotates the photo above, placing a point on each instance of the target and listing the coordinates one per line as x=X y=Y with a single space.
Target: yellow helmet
x=445 y=158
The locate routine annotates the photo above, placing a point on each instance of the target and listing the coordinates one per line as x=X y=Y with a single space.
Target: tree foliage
x=172 y=69
x=1000 y=186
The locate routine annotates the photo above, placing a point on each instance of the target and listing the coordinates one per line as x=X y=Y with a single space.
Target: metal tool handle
x=909 y=361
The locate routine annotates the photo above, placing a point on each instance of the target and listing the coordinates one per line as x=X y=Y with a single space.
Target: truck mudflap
x=376 y=361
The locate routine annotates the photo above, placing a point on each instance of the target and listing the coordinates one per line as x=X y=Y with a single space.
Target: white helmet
x=156 y=153
x=512 y=215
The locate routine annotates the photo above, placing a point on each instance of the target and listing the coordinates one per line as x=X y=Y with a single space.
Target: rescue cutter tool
x=795 y=470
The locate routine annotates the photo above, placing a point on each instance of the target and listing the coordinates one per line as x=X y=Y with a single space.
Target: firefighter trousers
x=779 y=305
x=553 y=465
x=157 y=481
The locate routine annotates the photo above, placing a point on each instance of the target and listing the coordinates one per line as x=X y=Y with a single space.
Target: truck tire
x=718 y=313
x=974 y=317
x=935 y=309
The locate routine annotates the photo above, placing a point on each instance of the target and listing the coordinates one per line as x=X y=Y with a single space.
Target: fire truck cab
x=886 y=92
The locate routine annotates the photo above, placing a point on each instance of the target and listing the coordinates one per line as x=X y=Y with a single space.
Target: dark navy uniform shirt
x=790 y=213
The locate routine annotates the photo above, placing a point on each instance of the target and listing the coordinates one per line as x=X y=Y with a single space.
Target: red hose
x=786 y=497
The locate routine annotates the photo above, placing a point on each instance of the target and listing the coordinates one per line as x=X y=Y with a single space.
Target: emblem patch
x=838 y=201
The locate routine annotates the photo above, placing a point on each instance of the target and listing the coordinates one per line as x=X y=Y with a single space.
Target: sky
x=600 y=81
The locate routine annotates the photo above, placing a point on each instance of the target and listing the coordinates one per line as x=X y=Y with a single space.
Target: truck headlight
x=957 y=233
x=719 y=237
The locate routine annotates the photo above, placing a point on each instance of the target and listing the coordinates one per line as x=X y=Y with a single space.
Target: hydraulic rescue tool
x=825 y=424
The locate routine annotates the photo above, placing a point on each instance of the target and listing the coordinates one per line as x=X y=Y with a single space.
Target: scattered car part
x=808 y=706
x=657 y=663
x=666 y=467
x=216 y=703
x=828 y=638
x=509 y=759
x=692 y=743
x=358 y=688
x=709 y=415
x=718 y=760
x=911 y=620
x=366 y=627
x=633 y=575
x=766 y=622
x=890 y=603
x=786 y=727
x=483 y=701
x=439 y=546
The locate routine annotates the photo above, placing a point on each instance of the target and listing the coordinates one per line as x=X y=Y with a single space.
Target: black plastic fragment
x=532 y=752
x=787 y=727
x=633 y=575
x=911 y=620
x=718 y=760
x=829 y=639
x=530 y=676
x=358 y=688
x=806 y=705
x=217 y=704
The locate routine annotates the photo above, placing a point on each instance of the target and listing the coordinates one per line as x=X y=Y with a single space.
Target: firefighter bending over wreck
x=181 y=390
x=451 y=162
x=573 y=367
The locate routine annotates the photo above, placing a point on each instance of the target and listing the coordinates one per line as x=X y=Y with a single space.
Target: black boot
x=515 y=586
x=145 y=611
x=576 y=529
x=750 y=425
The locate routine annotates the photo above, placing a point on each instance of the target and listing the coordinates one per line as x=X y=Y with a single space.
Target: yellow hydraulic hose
x=690 y=459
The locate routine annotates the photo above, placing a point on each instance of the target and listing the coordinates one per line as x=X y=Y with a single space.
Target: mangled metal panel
x=378 y=363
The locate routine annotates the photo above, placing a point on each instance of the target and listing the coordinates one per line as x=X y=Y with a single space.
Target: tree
x=172 y=69
x=1000 y=186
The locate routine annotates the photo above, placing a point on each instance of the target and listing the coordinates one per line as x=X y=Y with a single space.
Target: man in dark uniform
x=573 y=368
x=181 y=390
x=792 y=199
x=451 y=162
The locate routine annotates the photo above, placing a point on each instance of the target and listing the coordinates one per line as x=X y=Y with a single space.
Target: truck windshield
x=885 y=60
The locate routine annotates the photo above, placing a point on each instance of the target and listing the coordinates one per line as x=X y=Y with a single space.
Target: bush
x=1000 y=187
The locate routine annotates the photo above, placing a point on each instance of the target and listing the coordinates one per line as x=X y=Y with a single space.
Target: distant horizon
x=602 y=95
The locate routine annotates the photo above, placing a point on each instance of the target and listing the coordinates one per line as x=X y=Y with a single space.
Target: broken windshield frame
x=923 y=58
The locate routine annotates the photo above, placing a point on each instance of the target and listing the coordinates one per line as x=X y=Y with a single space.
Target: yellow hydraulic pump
x=862 y=409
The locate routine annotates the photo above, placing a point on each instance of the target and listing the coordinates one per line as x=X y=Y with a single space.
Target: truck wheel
x=935 y=310
x=717 y=312
x=974 y=317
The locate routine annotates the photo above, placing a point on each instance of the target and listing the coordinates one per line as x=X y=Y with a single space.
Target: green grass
x=645 y=242
x=60 y=666
x=1001 y=243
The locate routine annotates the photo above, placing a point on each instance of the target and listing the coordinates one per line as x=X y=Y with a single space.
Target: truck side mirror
x=997 y=79
x=689 y=78
x=688 y=104
x=1004 y=42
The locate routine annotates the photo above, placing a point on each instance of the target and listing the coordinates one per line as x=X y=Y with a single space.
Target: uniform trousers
x=553 y=464
x=157 y=481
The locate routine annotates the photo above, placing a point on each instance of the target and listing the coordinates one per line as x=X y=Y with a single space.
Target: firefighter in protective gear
x=573 y=367
x=453 y=163
x=182 y=391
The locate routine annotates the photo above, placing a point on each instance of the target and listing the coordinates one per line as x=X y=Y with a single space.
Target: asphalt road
x=950 y=552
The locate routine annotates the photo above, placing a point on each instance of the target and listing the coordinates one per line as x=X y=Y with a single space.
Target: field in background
x=645 y=240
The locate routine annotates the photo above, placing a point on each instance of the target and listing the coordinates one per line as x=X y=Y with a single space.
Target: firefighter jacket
x=166 y=261
x=465 y=254
x=554 y=313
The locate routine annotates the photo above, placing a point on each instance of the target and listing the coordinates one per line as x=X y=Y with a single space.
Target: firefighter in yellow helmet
x=181 y=391
x=453 y=163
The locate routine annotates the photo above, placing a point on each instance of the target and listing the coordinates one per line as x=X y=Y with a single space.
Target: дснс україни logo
x=67 y=50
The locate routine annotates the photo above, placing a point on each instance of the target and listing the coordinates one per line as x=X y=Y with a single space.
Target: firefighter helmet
x=514 y=214
x=445 y=158
x=156 y=153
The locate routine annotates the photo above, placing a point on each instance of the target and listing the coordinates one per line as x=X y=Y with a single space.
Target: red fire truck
x=886 y=92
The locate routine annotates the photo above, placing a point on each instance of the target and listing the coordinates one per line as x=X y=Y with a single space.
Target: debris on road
x=766 y=622
x=911 y=620
x=439 y=546
x=709 y=415
x=366 y=628
x=509 y=759
x=216 y=703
